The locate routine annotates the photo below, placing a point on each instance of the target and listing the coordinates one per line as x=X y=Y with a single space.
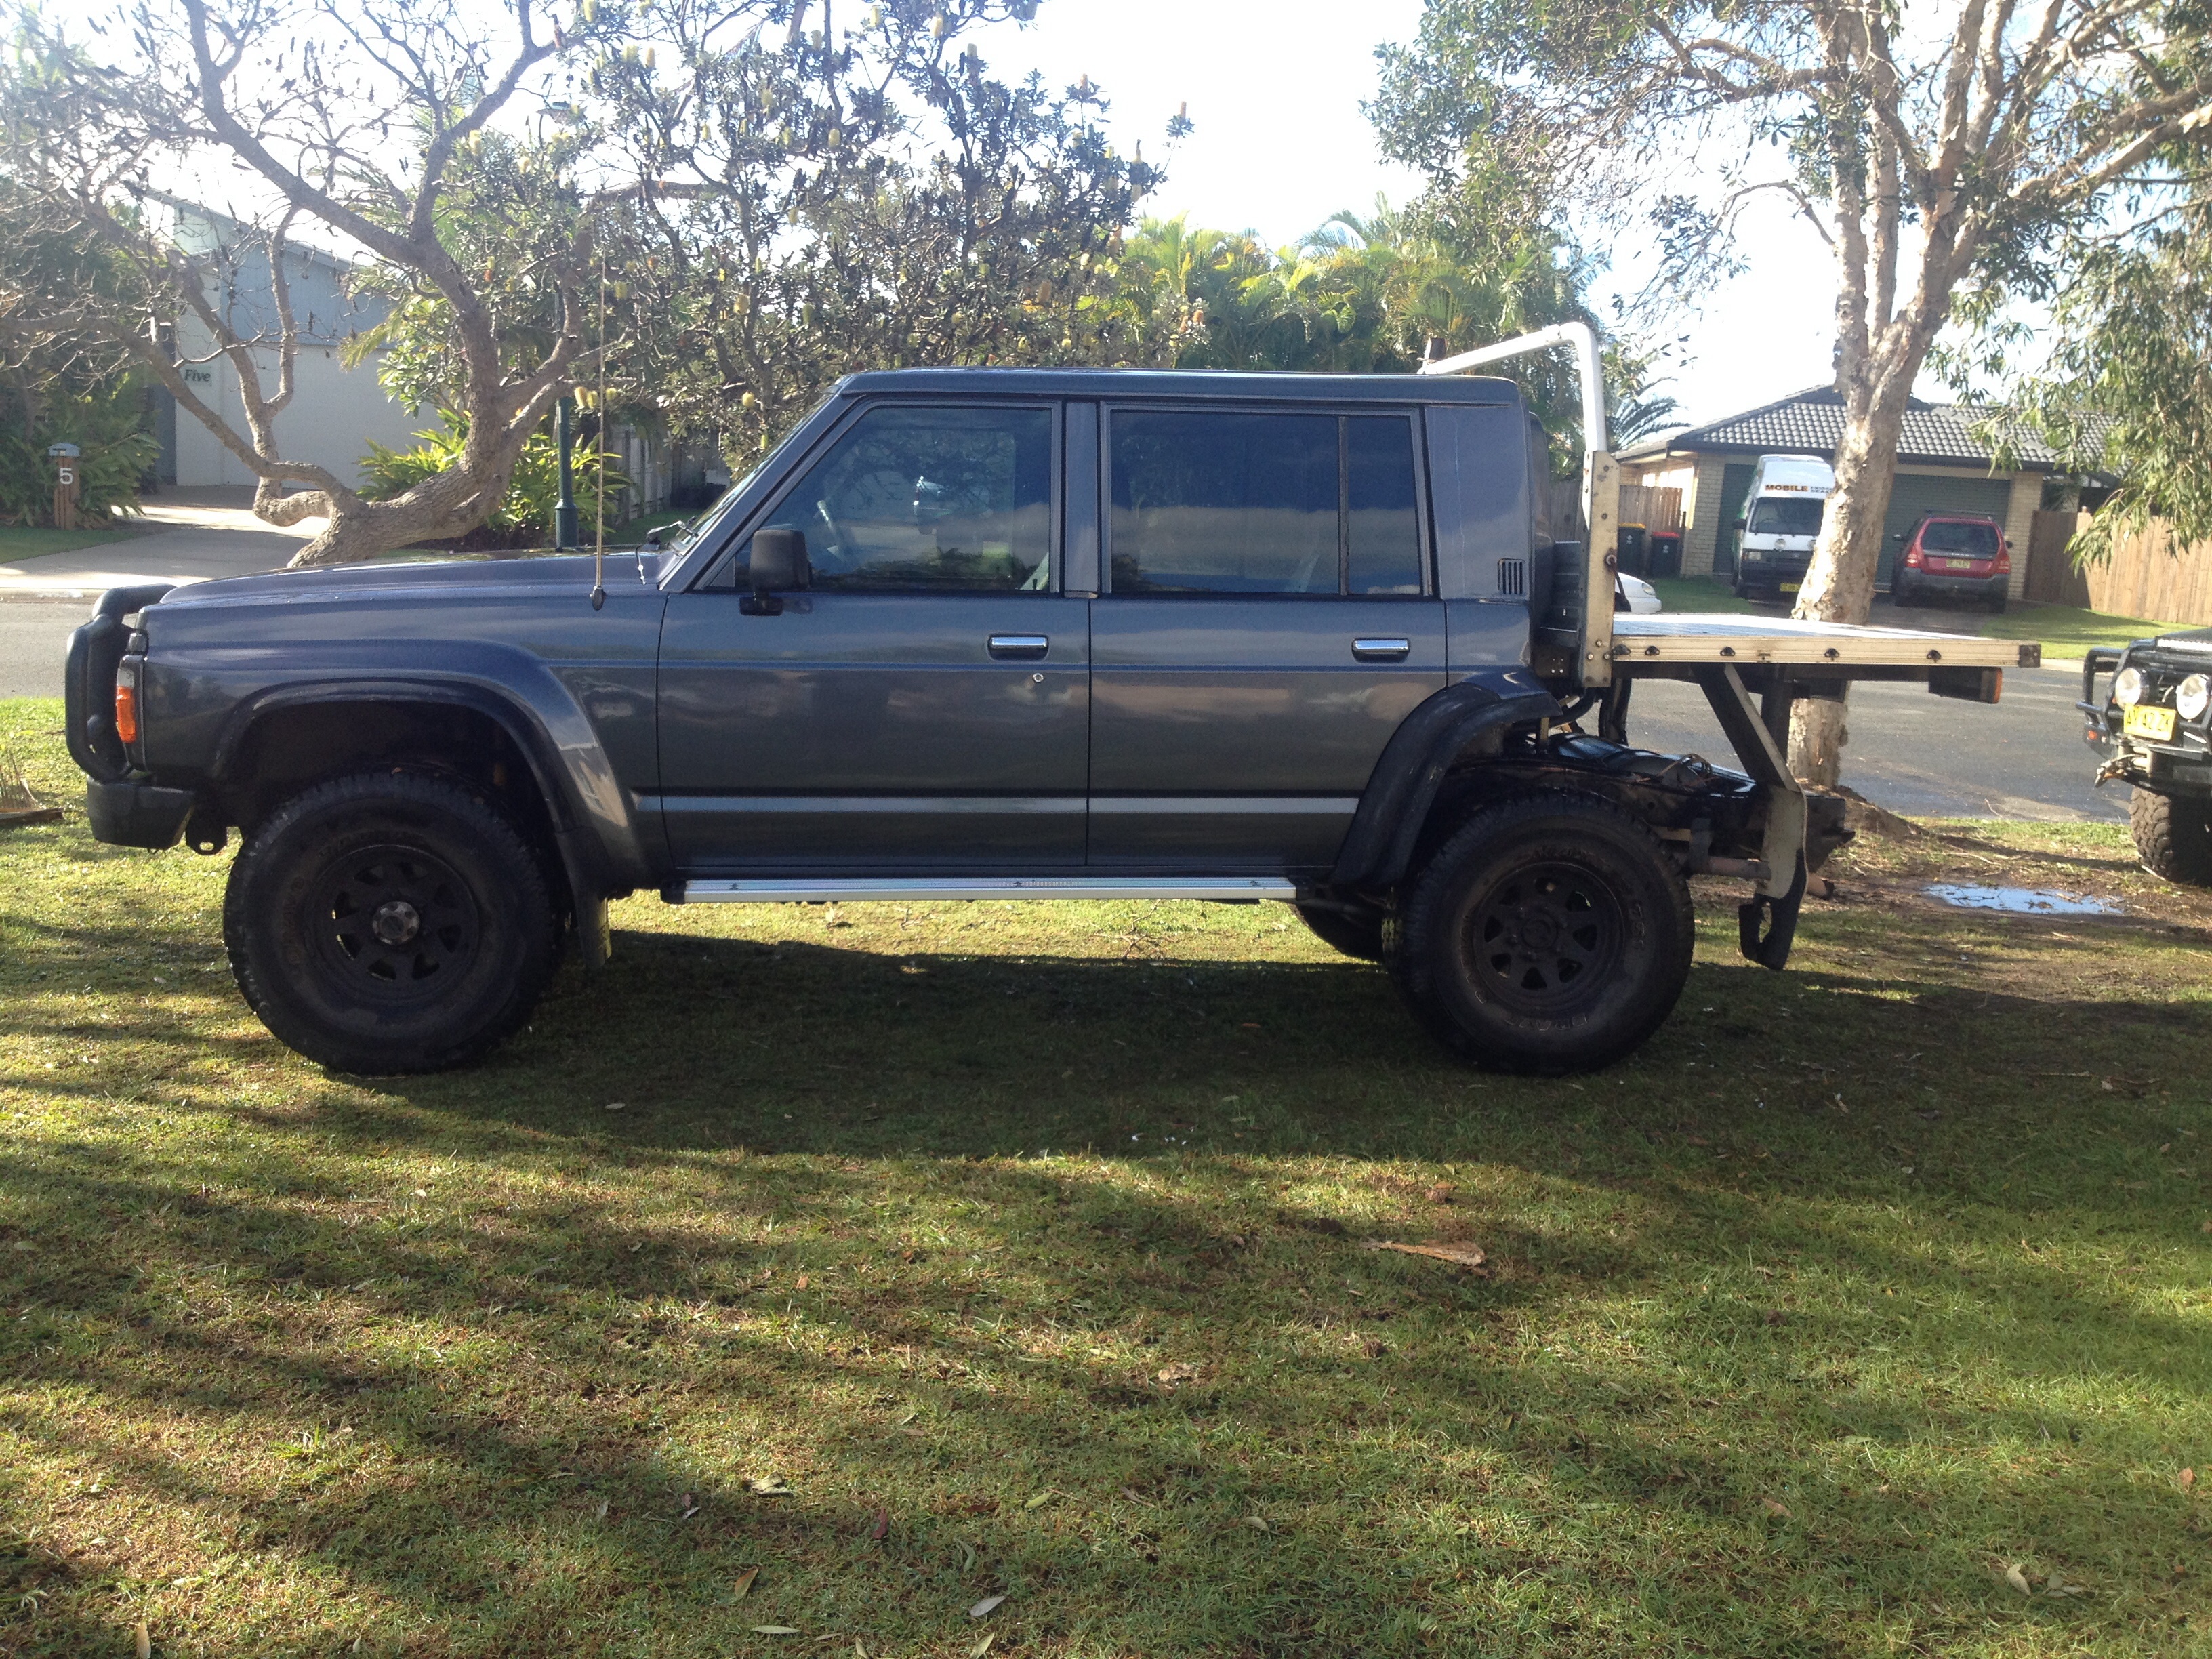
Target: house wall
x=1701 y=509
x=333 y=414
x=1708 y=548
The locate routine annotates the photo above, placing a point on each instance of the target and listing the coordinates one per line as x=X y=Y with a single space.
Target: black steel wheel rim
x=1545 y=939
x=395 y=924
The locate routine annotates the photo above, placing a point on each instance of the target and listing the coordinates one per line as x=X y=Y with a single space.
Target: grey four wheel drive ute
x=1000 y=635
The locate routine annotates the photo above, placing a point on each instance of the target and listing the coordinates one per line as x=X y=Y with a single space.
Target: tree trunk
x=1840 y=586
x=449 y=503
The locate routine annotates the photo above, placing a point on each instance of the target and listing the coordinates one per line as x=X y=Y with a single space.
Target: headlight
x=2193 y=697
x=1753 y=555
x=2128 y=687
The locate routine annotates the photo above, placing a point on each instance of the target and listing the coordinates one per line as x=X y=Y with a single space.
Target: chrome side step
x=749 y=890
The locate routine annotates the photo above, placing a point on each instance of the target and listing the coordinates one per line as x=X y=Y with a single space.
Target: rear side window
x=1224 y=502
x=948 y=499
x=1978 y=541
x=1779 y=517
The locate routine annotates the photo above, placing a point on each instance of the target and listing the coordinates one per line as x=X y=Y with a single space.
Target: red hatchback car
x=1953 y=554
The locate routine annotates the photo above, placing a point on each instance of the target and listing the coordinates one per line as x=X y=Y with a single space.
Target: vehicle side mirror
x=1741 y=523
x=778 y=566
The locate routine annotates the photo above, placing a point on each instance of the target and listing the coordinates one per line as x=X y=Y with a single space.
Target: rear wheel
x=1550 y=934
x=389 y=922
x=1356 y=933
x=2174 y=835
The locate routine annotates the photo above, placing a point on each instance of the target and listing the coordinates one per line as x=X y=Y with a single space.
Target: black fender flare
x=589 y=880
x=1379 y=846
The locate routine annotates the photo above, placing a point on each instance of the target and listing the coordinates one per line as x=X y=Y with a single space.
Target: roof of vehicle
x=1189 y=383
x=1947 y=517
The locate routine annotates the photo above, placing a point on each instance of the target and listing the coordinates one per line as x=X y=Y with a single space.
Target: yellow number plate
x=2148 y=721
x=1786 y=587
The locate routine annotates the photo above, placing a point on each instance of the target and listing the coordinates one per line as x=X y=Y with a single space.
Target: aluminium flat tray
x=1664 y=640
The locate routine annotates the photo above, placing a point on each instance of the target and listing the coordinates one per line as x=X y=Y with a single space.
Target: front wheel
x=1550 y=934
x=389 y=922
x=2174 y=835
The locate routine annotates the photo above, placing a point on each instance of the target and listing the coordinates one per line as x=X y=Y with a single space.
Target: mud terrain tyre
x=2174 y=835
x=389 y=922
x=1550 y=934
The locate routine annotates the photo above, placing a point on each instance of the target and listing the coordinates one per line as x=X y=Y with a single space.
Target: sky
x=1274 y=87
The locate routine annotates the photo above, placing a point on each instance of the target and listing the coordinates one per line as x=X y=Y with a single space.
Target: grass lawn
x=819 y=1275
x=29 y=541
x=1699 y=595
x=2067 y=631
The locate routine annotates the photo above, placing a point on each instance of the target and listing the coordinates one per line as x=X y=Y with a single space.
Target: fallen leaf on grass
x=2017 y=1579
x=1040 y=1500
x=2188 y=1480
x=773 y=1630
x=1469 y=1256
x=744 y=1582
x=801 y=1285
x=983 y=1646
x=985 y=1605
x=145 y=1642
x=1178 y=1373
x=1776 y=1507
x=767 y=1485
x=1257 y=1523
x=883 y=1525
x=1441 y=1193
x=616 y=1106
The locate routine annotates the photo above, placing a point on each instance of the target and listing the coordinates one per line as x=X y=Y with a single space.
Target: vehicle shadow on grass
x=660 y=1366
x=1756 y=1362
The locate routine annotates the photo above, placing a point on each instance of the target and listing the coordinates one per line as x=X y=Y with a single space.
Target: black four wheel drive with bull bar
x=989 y=635
x=2154 y=727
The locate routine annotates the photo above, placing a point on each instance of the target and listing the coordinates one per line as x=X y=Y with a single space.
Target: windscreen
x=1975 y=541
x=1781 y=515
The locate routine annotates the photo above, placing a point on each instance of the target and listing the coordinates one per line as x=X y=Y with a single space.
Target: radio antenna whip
x=599 y=458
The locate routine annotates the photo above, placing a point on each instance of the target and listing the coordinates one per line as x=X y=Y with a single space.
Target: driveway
x=187 y=535
x=1931 y=757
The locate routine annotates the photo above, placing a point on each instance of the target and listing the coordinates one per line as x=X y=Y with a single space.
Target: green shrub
x=524 y=514
x=104 y=423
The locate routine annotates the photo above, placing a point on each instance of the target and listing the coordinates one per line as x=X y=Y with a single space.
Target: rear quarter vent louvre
x=1513 y=579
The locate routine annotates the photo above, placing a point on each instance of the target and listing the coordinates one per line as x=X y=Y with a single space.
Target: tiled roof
x=1810 y=423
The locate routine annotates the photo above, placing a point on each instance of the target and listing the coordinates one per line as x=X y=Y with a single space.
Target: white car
x=1635 y=594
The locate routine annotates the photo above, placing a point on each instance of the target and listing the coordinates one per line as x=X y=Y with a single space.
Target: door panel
x=1230 y=733
x=875 y=731
x=1264 y=636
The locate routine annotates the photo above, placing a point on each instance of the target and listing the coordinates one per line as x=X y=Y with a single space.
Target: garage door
x=1913 y=495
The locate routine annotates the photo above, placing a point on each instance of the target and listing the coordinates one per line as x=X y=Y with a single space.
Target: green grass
x=1699 y=594
x=31 y=541
x=1024 y=1245
x=2066 y=631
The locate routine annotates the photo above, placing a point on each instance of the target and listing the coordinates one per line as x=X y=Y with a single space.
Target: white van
x=1781 y=521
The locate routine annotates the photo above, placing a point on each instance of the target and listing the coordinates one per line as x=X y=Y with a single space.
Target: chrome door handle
x=1020 y=648
x=1382 y=650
